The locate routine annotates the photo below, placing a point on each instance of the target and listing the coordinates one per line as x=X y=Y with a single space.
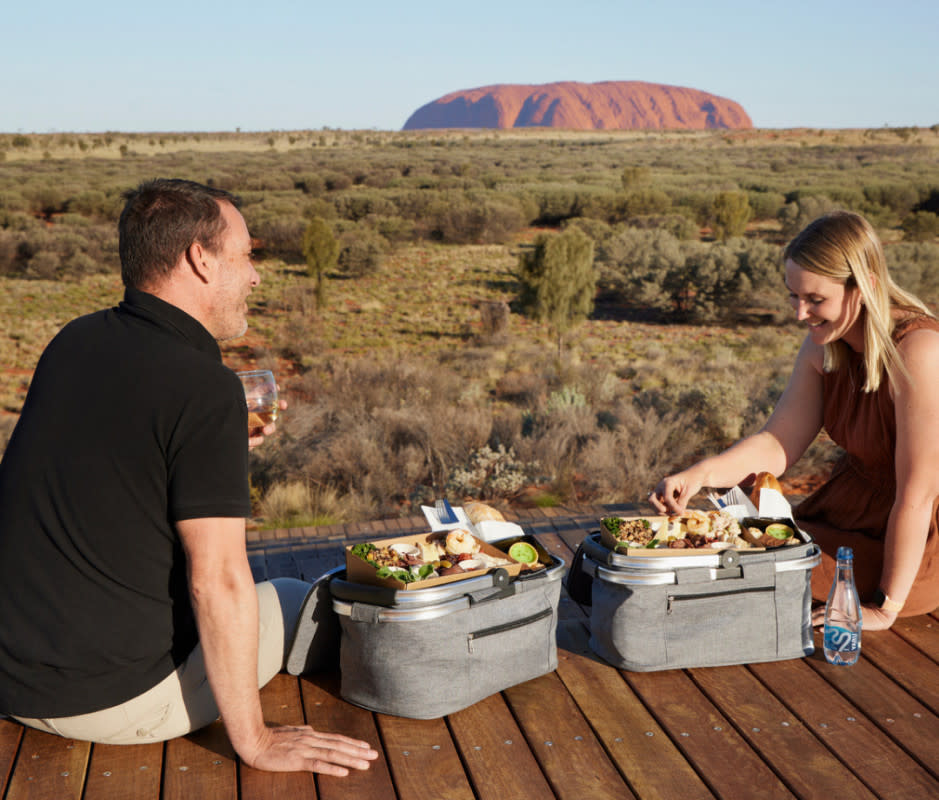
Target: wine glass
x=261 y=396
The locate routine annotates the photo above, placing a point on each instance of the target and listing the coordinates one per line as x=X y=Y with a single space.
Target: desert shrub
x=765 y=204
x=309 y=183
x=697 y=205
x=915 y=266
x=730 y=214
x=360 y=251
x=336 y=181
x=387 y=433
x=321 y=251
x=472 y=218
x=278 y=228
x=556 y=205
x=899 y=198
x=690 y=280
x=640 y=202
x=634 y=264
x=920 y=226
x=596 y=229
x=358 y=205
x=798 y=213
x=394 y=229
x=490 y=473
x=559 y=280
x=633 y=176
x=494 y=320
x=678 y=225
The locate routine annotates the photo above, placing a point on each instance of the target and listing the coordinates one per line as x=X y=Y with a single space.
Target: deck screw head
x=649 y=733
x=107 y=774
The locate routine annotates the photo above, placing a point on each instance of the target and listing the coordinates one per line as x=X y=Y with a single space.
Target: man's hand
x=300 y=748
x=256 y=436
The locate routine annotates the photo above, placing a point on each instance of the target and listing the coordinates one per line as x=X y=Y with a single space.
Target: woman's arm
x=917 y=419
x=793 y=425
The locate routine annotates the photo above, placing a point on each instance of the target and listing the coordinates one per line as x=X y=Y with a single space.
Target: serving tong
x=445 y=512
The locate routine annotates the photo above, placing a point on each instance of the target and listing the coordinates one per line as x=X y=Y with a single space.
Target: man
x=129 y=613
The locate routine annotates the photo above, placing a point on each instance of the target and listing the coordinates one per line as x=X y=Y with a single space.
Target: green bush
x=321 y=251
x=361 y=252
x=920 y=226
x=559 y=280
x=730 y=214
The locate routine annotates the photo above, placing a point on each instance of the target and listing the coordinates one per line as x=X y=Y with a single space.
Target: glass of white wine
x=261 y=396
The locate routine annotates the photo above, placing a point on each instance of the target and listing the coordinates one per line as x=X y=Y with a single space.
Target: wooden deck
x=798 y=728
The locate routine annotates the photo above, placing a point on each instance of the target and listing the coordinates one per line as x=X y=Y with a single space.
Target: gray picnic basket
x=425 y=653
x=700 y=610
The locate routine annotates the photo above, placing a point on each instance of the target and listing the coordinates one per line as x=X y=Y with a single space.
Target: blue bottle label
x=840 y=640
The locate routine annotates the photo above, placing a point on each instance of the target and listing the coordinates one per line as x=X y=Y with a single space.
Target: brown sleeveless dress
x=852 y=507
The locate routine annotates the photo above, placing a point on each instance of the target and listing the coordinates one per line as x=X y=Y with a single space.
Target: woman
x=866 y=372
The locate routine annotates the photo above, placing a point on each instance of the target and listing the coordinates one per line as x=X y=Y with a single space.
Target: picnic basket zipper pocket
x=674 y=601
x=505 y=627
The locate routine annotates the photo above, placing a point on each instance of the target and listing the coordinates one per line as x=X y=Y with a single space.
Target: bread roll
x=479 y=512
x=764 y=480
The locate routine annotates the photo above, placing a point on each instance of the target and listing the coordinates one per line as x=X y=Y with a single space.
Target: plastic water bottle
x=843 y=614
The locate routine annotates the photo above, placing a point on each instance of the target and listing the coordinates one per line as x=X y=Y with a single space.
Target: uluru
x=608 y=105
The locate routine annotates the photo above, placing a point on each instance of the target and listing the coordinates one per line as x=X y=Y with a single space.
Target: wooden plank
x=281 y=705
x=909 y=723
x=921 y=632
x=48 y=766
x=202 y=764
x=706 y=737
x=124 y=772
x=573 y=760
x=11 y=733
x=653 y=767
x=325 y=711
x=492 y=747
x=905 y=664
x=556 y=546
x=884 y=768
x=423 y=759
x=780 y=737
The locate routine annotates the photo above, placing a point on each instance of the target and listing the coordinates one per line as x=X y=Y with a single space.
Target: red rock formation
x=610 y=105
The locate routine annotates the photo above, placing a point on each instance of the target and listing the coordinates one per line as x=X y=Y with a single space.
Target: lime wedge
x=779 y=531
x=523 y=553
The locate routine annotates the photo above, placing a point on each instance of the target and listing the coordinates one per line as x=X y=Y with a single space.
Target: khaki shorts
x=182 y=702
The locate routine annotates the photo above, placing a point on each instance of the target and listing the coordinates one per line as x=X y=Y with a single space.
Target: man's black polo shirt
x=131 y=423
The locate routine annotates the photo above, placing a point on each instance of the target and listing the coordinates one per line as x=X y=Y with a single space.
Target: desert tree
x=321 y=251
x=730 y=213
x=559 y=280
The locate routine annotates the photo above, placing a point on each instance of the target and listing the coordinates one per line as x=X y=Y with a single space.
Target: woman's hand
x=672 y=494
x=873 y=618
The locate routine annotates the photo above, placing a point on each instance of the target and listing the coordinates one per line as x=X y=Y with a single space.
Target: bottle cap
x=845 y=554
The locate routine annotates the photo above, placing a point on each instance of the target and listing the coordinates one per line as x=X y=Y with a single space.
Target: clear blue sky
x=357 y=64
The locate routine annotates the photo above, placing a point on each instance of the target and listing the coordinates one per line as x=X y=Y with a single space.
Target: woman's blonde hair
x=843 y=247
